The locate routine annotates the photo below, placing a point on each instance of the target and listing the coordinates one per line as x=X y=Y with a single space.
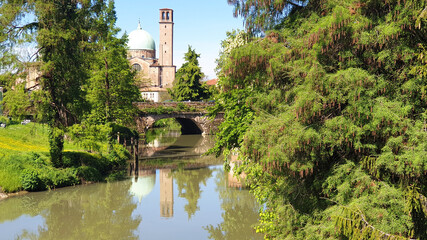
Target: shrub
x=32 y=181
x=118 y=156
x=89 y=173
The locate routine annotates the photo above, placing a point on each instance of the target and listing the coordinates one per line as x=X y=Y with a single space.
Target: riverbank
x=8 y=195
x=25 y=163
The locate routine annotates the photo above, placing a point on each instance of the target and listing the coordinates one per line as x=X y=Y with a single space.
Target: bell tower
x=166 y=68
x=166 y=37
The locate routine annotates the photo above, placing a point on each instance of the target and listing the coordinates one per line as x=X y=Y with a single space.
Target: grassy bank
x=25 y=163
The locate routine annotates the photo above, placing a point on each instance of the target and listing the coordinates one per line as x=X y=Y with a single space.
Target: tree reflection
x=240 y=212
x=101 y=211
x=188 y=182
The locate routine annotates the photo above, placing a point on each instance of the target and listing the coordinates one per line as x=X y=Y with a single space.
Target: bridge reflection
x=183 y=146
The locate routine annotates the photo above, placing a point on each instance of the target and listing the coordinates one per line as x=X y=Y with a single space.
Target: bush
x=32 y=181
x=78 y=159
x=118 y=156
x=89 y=173
x=48 y=178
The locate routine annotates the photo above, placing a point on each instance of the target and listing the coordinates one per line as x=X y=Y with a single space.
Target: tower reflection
x=166 y=193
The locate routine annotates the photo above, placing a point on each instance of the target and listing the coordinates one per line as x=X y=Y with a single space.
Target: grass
x=32 y=137
x=24 y=160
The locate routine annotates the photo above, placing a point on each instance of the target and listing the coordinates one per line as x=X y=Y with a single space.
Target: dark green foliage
x=336 y=118
x=16 y=102
x=89 y=173
x=31 y=181
x=187 y=85
x=83 y=159
x=118 y=157
x=238 y=115
x=41 y=176
x=56 y=142
x=261 y=15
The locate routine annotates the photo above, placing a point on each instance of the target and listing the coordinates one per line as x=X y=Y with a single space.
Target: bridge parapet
x=197 y=106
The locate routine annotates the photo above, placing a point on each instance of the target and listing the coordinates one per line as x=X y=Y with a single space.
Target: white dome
x=140 y=39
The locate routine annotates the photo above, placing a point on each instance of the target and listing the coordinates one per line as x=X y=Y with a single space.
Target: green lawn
x=32 y=137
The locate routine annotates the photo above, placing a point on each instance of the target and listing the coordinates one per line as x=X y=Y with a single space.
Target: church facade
x=154 y=75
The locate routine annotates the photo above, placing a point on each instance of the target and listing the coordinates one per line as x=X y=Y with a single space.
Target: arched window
x=136 y=67
x=163 y=15
x=167 y=16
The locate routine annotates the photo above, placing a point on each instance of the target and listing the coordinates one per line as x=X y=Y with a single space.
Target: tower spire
x=139 y=24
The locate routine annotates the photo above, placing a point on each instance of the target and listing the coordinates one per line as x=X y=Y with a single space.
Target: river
x=172 y=193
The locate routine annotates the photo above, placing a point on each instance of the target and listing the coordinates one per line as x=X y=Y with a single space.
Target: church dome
x=140 y=39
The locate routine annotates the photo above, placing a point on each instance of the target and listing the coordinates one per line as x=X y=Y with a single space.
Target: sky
x=202 y=24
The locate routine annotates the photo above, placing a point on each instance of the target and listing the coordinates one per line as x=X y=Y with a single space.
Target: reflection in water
x=177 y=146
x=166 y=193
x=188 y=182
x=233 y=180
x=240 y=212
x=143 y=184
x=98 y=211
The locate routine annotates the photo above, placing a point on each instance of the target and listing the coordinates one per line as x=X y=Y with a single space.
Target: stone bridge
x=192 y=116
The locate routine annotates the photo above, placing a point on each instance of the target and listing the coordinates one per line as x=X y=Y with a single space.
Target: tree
x=111 y=88
x=16 y=102
x=262 y=15
x=336 y=116
x=63 y=36
x=187 y=84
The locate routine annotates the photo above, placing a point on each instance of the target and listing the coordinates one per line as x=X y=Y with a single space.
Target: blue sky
x=202 y=24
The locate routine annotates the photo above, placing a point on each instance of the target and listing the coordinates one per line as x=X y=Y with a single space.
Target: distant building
x=30 y=76
x=155 y=75
x=212 y=82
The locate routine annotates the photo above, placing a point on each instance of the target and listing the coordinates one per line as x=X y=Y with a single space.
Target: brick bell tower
x=167 y=69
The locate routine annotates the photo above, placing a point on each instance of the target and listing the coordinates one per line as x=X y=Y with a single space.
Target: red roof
x=212 y=82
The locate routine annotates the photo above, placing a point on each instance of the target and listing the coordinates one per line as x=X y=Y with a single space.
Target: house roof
x=212 y=82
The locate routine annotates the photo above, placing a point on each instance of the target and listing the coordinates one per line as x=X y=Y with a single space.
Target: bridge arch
x=191 y=123
x=188 y=126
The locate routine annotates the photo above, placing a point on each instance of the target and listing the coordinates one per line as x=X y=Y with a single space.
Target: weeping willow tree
x=328 y=112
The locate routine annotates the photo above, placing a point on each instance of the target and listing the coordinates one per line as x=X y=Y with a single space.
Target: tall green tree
x=63 y=36
x=187 y=85
x=111 y=88
x=335 y=143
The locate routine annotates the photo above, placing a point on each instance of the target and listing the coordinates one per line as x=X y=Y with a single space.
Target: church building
x=155 y=75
